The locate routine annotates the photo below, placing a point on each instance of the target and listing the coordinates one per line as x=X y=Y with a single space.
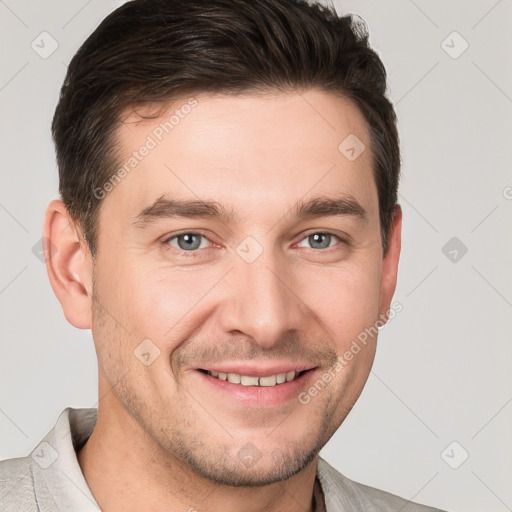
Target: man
x=228 y=228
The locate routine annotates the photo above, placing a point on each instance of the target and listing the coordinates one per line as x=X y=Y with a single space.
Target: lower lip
x=261 y=396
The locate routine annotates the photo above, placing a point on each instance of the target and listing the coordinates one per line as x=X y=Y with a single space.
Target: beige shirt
x=50 y=478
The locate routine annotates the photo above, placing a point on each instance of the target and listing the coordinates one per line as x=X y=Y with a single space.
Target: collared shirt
x=50 y=478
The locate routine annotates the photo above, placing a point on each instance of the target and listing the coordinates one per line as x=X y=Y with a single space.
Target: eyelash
x=195 y=252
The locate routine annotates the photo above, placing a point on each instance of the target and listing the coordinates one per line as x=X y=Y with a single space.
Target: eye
x=188 y=242
x=321 y=240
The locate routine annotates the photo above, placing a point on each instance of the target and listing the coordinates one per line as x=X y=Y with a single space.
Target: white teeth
x=268 y=381
x=234 y=378
x=246 y=380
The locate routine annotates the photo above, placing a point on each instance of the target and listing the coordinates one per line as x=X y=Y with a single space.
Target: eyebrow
x=165 y=208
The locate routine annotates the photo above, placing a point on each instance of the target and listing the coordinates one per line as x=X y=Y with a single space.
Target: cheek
x=346 y=299
x=161 y=303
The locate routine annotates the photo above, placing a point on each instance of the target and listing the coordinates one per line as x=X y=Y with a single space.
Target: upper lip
x=256 y=370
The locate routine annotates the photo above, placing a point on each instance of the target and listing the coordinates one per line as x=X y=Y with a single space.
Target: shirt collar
x=58 y=479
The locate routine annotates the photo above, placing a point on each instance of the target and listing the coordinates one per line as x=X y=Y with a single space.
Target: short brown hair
x=151 y=51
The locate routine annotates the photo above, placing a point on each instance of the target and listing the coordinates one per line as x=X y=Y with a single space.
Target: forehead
x=245 y=152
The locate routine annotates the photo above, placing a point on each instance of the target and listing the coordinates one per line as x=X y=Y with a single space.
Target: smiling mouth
x=249 y=380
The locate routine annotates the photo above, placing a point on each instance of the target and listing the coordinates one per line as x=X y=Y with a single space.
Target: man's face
x=257 y=292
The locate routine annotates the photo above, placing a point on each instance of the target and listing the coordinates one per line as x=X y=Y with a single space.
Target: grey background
x=442 y=371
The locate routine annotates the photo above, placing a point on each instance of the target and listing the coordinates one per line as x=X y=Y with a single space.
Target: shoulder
x=17 y=483
x=50 y=478
x=341 y=493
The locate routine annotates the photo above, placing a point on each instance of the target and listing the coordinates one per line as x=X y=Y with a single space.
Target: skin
x=165 y=438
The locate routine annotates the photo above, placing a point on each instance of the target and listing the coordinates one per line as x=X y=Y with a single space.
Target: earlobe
x=390 y=263
x=69 y=264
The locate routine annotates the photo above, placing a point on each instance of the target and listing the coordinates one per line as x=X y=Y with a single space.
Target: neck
x=127 y=470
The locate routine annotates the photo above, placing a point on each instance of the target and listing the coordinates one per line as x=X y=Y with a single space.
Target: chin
x=247 y=466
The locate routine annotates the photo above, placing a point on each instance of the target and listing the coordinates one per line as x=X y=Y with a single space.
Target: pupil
x=189 y=241
x=317 y=239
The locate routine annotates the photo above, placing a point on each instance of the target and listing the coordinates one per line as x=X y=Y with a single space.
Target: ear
x=390 y=262
x=69 y=264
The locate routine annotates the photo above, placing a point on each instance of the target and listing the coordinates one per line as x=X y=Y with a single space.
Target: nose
x=262 y=301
